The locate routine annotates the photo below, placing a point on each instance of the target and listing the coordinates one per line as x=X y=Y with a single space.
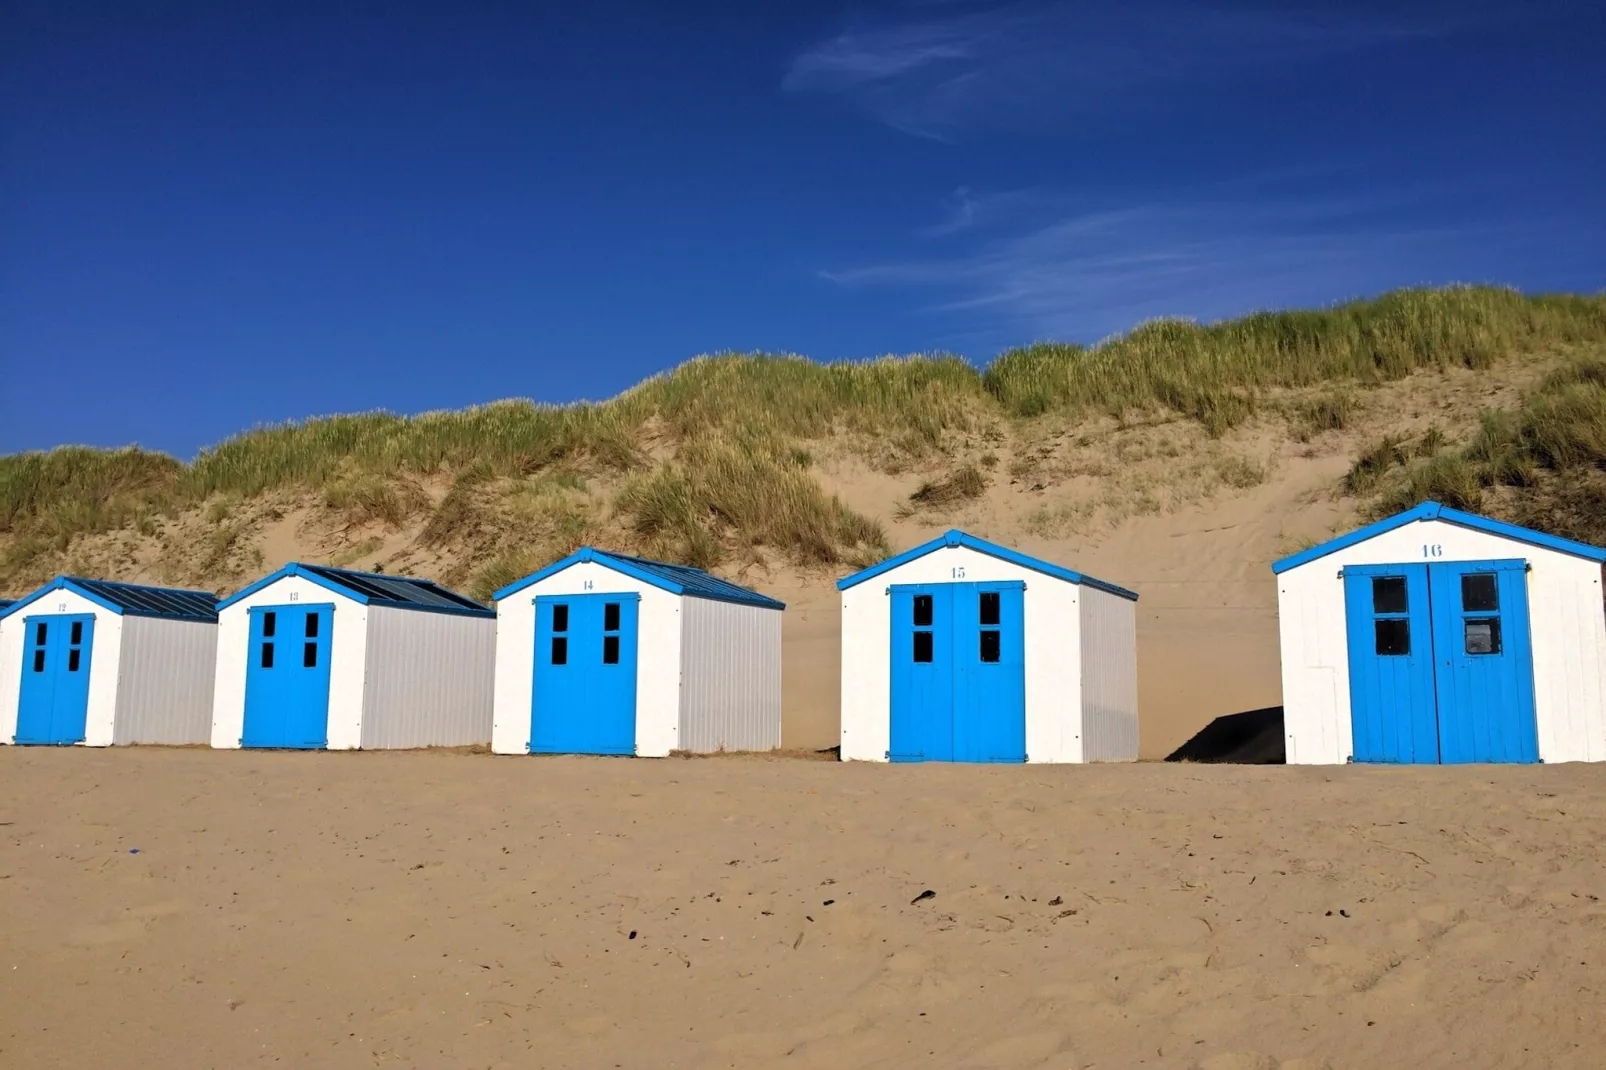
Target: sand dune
x=442 y=910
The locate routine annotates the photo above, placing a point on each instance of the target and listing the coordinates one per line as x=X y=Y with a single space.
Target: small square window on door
x=1481 y=634
x=1391 y=605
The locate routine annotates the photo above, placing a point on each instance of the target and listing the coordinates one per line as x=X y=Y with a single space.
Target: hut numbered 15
x=962 y=650
x=314 y=657
x=602 y=653
x=101 y=663
x=1438 y=636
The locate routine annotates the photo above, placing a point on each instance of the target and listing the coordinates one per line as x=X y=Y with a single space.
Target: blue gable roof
x=676 y=579
x=1435 y=511
x=128 y=599
x=982 y=546
x=373 y=589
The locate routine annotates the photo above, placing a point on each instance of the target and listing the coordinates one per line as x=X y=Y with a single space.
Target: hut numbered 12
x=601 y=653
x=314 y=657
x=1441 y=636
x=962 y=650
x=101 y=663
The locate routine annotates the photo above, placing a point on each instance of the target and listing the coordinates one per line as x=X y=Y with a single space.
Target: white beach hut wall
x=964 y=650
x=604 y=653
x=1439 y=636
x=315 y=657
x=98 y=662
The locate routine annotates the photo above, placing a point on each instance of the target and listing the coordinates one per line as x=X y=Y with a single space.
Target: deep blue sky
x=214 y=215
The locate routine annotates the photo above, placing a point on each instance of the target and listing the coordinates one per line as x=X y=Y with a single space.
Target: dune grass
x=711 y=456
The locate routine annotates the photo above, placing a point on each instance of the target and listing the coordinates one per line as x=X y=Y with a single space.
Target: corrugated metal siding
x=730 y=657
x=1109 y=677
x=429 y=679
x=165 y=680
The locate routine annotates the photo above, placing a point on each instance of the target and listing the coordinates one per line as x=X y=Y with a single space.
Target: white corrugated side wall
x=164 y=688
x=657 y=657
x=104 y=657
x=730 y=676
x=348 y=647
x=430 y=679
x=1568 y=630
x=1109 y=677
x=1053 y=654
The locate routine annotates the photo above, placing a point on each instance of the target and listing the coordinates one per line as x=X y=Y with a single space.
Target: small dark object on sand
x=927 y=894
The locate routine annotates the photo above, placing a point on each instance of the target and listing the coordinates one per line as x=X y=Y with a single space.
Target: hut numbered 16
x=314 y=657
x=602 y=653
x=101 y=663
x=962 y=650
x=1441 y=636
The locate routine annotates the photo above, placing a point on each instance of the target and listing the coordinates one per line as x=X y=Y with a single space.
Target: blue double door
x=53 y=704
x=584 y=699
x=287 y=677
x=958 y=673
x=1441 y=662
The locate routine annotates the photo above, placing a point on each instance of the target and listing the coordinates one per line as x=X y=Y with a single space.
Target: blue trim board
x=128 y=599
x=676 y=579
x=372 y=589
x=1435 y=511
x=982 y=546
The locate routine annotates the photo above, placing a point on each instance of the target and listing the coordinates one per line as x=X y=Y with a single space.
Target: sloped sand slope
x=451 y=910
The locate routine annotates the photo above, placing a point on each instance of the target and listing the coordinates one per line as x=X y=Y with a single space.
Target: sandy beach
x=188 y=909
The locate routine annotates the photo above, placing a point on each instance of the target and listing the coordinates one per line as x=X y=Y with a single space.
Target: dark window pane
x=269 y=622
x=1393 y=637
x=312 y=625
x=560 y=650
x=40 y=633
x=1479 y=593
x=73 y=659
x=267 y=655
x=610 y=650
x=610 y=616
x=38 y=661
x=922 y=611
x=77 y=632
x=989 y=646
x=989 y=607
x=309 y=655
x=1483 y=635
x=560 y=617
x=1388 y=594
x=922 y=646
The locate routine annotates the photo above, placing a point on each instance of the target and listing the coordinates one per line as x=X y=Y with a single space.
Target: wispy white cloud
x=1033 y=65
x=1083 y=274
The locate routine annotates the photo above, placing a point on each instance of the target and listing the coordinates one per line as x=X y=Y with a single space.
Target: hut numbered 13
x=101 y=663
x=602 y=653
x=314 y=657
x=1440 y=636
x=962 y=650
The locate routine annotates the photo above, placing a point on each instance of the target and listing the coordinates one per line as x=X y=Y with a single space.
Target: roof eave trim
x=955 y=537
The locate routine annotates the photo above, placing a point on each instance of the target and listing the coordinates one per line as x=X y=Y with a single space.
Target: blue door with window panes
x=958 y=680
x=1441 y=662
x=584 y=697
x=287 y=677
x=53 y=703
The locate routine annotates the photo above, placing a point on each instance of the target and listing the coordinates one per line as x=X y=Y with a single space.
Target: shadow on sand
x=1254 y=737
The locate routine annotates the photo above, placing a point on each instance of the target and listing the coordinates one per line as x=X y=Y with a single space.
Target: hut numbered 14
x=314 y=657
x=1441 y=636
x=601 y=653
x=101 y=663
x=963 y=650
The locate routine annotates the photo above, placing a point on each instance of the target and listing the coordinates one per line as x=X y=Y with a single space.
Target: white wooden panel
x=103 y=662
x=731 y=677
x=166 y=677
x=429 y=680
x=657 y=657
x=348 y=651
x=1109 y=677
x=1053 y=654
x=1567 y=626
